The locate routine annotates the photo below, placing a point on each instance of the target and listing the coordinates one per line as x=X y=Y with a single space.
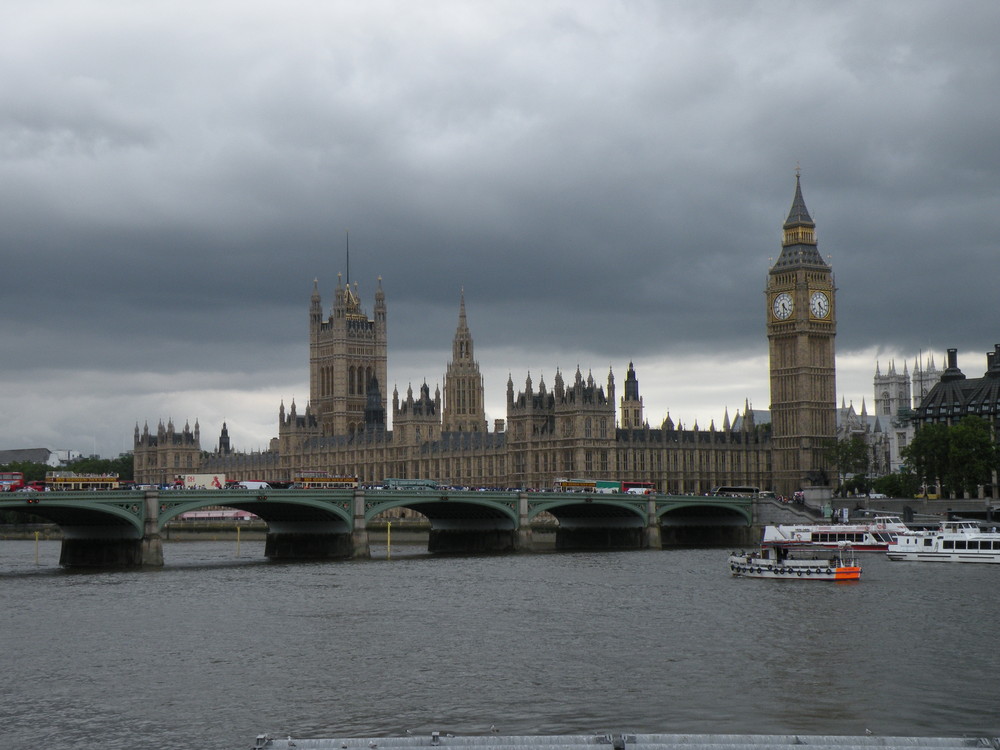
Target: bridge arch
x=460 y=521
x=696 y=508
x=274 y=508
x=596 y=506
x=595 y=521
x=439 y=507
x=108 y=510
x=698 y=521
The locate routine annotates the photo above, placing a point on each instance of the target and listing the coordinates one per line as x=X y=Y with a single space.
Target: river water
x=215 y=648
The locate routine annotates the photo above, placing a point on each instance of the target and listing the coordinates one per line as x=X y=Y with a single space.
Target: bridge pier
x=600 y=538
x=524 y=538
x=467 y=536
x=152 y=544
x=115 y=546
x=467 y=541
x=307 y=546
x=360 y=548
x=653 y=540
x=97 y=552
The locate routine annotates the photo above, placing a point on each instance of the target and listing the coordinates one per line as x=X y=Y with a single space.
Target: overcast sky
x=606 y=180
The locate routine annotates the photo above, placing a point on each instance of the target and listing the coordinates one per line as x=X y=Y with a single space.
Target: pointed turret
x=631 y=406
x=224 y=446
x=315 y=308
x=374 y=411
x=380 y=311
x=463 y=409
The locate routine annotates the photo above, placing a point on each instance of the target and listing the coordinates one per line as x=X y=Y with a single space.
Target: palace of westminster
x=577 y=428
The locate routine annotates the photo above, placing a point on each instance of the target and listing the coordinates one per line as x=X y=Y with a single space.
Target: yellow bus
x=308 y=480
x=59 y=481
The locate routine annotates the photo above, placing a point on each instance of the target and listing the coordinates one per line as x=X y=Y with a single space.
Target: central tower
x=347 y=357
x=801 y=326
x=463 y=383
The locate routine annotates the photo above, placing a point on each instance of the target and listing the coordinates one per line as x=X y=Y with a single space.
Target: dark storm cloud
x=606 y=182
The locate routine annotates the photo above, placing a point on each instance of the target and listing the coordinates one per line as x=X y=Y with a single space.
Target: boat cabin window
x=839 y=537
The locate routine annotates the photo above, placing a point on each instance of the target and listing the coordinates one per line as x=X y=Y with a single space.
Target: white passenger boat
x=796 y=564
x=869 y=536
x=953 y=541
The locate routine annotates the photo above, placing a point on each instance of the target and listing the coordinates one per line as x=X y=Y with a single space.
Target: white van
x=253 y=486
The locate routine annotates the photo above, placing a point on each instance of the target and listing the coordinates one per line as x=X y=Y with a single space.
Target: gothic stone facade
x=569 y=430
x=574 y=429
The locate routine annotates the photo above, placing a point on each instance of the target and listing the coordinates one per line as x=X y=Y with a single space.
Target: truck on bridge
x=202 y=481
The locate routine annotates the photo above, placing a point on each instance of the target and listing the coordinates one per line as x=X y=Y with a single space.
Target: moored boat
x=953 y=541
x=870 y=536
x=796 y=564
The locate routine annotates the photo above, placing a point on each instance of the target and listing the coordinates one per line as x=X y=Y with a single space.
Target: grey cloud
x=606 y=182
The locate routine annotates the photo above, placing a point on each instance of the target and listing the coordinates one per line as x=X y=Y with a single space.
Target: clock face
x=782 y=306
x=819 y=305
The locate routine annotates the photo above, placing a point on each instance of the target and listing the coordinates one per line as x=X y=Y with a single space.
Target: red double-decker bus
x=11 y=481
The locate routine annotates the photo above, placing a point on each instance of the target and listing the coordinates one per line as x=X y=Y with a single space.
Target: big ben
x=801 y=326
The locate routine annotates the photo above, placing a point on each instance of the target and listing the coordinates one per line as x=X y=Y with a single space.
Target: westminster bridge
x=123 y=528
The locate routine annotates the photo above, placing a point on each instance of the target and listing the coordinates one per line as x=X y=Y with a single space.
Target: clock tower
x=801 y=326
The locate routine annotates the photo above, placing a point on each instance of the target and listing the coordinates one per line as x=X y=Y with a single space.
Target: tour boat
x=953 y=541
x=870 y=536
x=803 y=564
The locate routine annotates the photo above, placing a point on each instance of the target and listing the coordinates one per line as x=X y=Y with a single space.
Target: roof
x=32 y=455
x=956 y=396
x=799 y=246
x=799 y=214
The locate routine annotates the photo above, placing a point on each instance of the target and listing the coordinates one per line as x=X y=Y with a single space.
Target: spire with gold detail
x=798 y=244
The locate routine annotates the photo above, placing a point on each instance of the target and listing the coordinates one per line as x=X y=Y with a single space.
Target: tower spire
x=798 y=244
x=463 y=383
x=799 y=214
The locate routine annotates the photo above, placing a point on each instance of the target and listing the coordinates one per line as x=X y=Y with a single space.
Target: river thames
x=215 y=648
